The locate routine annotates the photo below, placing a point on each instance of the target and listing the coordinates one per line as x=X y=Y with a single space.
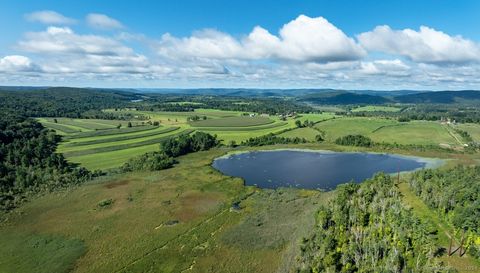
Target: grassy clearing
x=242 y=121
x=307 y=133
x=338 y=127
x=167 y=221
x=372 y=108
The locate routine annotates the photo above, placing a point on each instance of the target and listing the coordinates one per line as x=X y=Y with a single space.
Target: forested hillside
x=63 y=102
x=28 y=162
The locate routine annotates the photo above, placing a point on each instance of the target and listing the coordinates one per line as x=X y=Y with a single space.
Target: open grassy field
x=338 y=127
x=389 y=131
x=167 y=221
x=307 y=133
x=375 y=108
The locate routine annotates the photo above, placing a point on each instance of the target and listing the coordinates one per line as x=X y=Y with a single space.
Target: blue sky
x=262 y=44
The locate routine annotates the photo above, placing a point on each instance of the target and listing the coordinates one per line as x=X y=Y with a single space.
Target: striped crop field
x=105 y=144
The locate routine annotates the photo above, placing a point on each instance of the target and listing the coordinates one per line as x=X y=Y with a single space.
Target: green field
x=389 y=131
x=165 y=221
x=371 y=108
x=471 y=128
x=307 y=133
x=85 y=143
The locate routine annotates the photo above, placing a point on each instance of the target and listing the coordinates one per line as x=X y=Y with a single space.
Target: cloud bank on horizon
x=304 y=52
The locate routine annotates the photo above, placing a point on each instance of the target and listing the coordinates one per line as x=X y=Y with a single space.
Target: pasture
x=389 y=131
x=307 y=133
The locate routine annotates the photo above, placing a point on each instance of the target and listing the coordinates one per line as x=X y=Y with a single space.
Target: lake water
x=311 y=169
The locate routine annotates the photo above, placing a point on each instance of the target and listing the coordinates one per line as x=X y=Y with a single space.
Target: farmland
x=389 y=131
x=189 y=217
x=100 y=144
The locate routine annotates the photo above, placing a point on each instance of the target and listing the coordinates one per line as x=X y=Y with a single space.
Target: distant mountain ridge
x=314 y=96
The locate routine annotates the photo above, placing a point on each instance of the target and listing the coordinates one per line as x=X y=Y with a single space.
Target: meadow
x=186 y=217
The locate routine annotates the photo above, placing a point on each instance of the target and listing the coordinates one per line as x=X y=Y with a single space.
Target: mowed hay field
x=167 y=221
x=389 y=131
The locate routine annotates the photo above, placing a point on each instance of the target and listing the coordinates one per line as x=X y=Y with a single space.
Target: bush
x=105 y=203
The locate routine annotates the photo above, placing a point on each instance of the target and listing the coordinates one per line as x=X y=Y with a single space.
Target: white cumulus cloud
x=102 y=21
x=304 y=39
x=17 y=63
x=49 y=17
x=426 y=45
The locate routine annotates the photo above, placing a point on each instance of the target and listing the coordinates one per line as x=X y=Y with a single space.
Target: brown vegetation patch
x=117 y=184
x=196 y=204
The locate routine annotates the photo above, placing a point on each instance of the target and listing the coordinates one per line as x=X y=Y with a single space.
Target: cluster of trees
x=169 y=149
x=196 y=118
x=354 y=140
x=366 y=228
x=455 y=194
x=306 y=123
x=28 y=162
x=464 y=134
x=272 y=139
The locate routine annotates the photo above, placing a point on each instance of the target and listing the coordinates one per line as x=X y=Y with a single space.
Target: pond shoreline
x=428 y=163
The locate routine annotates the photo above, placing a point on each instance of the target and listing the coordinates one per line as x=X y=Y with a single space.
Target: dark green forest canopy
x=454 y=194
x=28 y=162
x=63 y=101
x=366 y=228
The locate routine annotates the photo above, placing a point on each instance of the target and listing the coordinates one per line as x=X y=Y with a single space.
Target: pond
x=311 y=169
